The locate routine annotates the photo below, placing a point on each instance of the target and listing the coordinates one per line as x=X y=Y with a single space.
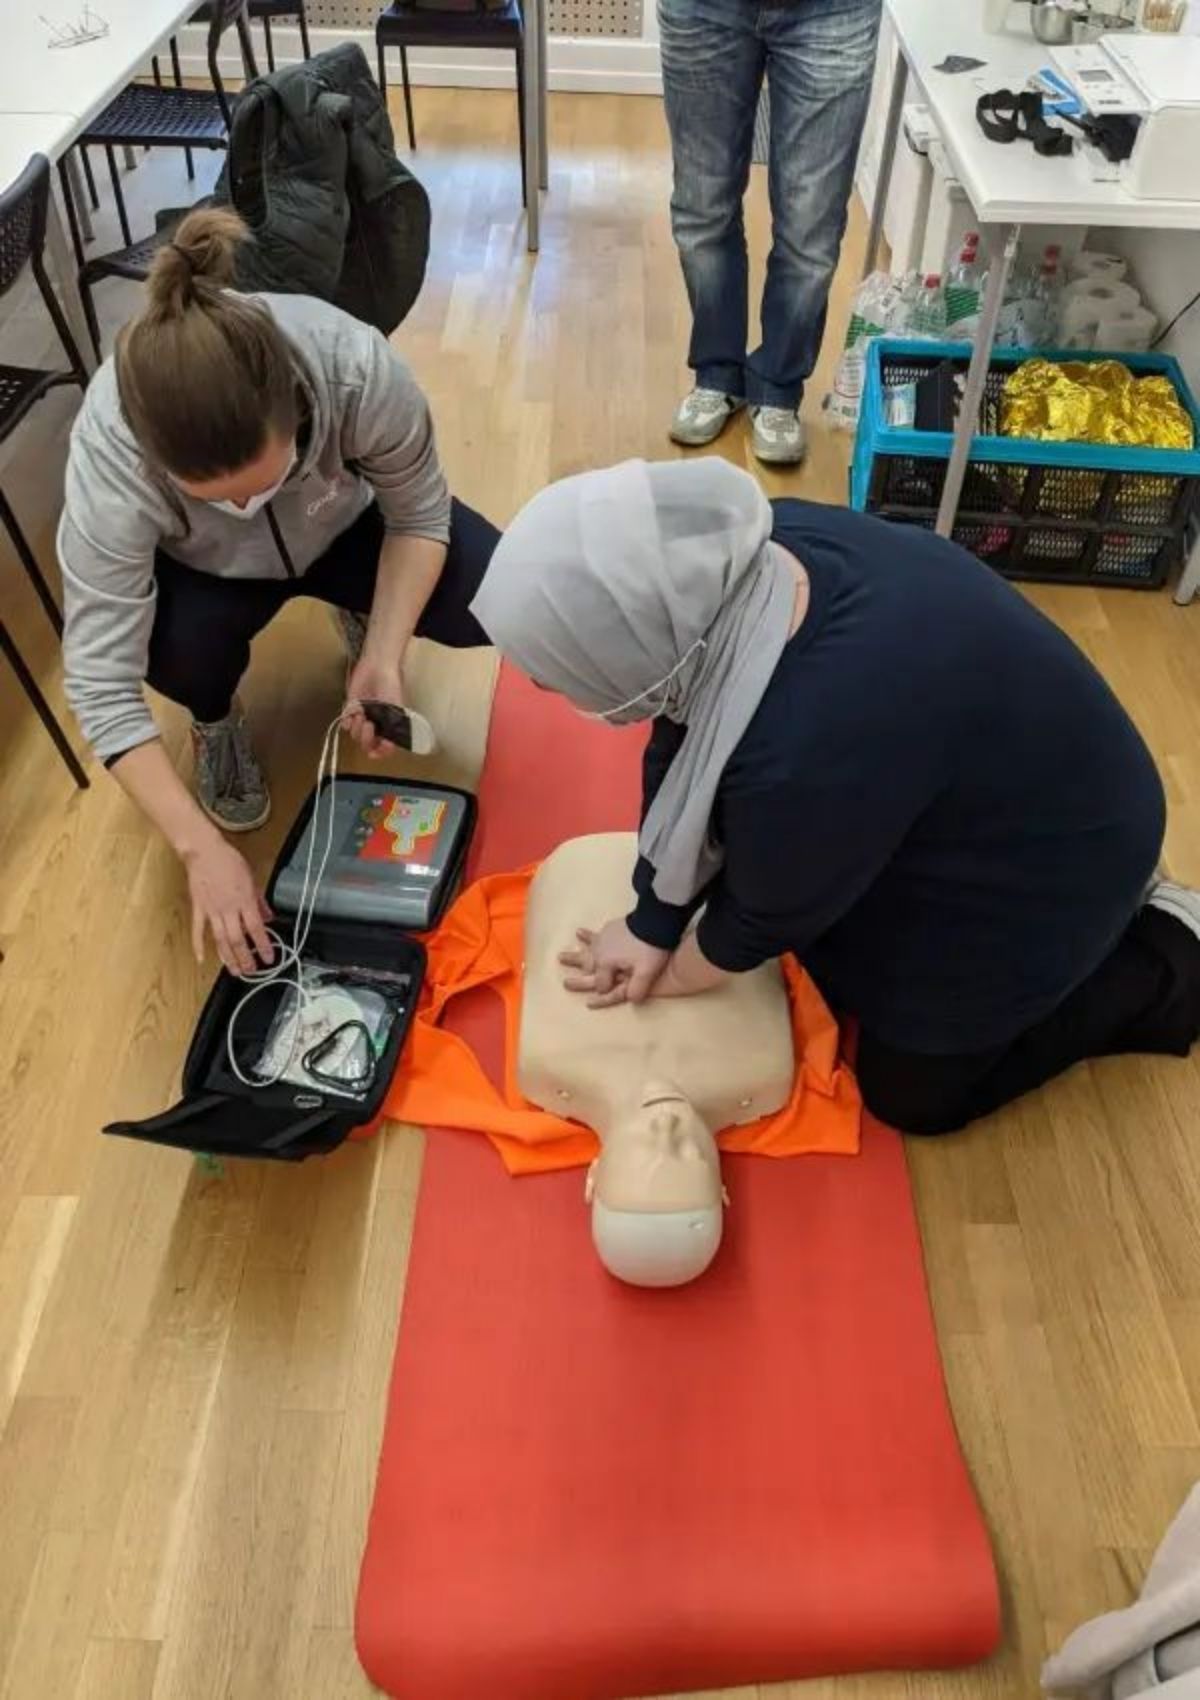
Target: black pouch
x=426 y=829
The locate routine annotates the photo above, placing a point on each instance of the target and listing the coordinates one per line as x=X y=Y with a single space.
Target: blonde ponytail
x=205 y=376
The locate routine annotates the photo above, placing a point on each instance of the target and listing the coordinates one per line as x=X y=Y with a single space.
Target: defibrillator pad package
x=331 y=1029
x=287 y=1065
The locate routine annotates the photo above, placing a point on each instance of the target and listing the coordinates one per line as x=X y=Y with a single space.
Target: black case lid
x=219 y=1116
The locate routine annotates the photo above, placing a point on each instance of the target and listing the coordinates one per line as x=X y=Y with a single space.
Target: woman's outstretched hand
x=612 y=966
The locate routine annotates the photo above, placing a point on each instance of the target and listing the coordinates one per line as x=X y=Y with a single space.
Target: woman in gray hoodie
x=235 y=452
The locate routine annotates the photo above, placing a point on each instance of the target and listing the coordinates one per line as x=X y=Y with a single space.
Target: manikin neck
x=620 y=1106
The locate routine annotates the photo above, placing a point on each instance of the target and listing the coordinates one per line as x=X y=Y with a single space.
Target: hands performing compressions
x=614 y=966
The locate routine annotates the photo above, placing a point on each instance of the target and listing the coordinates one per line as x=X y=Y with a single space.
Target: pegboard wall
x=567 y=17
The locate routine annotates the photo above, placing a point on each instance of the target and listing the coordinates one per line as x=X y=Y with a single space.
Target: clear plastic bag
x=331 y=1034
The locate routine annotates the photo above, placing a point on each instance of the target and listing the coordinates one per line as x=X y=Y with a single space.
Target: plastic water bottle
x=1048 y=296
x=900 y=316
x=929 y=314
x=964 y=290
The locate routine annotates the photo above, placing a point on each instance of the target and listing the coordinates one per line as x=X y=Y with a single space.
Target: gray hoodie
x=369 y=434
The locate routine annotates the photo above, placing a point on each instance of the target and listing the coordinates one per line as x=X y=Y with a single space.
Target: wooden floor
x=193 y=1368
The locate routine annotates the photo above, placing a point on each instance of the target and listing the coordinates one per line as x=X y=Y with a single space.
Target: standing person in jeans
x=236 y=452
x=818 y=56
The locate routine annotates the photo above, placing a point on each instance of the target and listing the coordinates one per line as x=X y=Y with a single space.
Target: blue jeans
x=818 y=56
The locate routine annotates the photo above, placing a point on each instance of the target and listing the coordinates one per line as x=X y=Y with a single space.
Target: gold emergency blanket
x=1097 y=401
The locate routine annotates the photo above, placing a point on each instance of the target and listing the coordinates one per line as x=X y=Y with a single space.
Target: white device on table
x=1156 y=79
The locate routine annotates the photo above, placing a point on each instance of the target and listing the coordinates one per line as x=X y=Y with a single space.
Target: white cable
x=288 y=968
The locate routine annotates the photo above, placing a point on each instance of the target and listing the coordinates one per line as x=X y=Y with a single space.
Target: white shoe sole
x=695 y=439
x=778 y=457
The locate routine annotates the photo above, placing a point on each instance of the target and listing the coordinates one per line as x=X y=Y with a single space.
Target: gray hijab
x=647 y=589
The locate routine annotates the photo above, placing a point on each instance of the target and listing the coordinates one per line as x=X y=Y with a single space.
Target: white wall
x=592 y=64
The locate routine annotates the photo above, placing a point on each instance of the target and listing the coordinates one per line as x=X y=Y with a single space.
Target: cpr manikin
x=655 y=1080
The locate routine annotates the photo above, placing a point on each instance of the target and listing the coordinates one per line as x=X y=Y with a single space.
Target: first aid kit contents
x=331 y=1028
x=287 y=1062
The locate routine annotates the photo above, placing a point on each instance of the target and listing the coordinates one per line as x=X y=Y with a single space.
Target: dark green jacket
x=312 y=168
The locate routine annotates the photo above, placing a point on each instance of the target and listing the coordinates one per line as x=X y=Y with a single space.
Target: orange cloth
x=441 y=1083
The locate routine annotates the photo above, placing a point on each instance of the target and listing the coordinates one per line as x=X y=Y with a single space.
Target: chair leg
x=42 y=708
x=520 y=56
x=408 y=111
x=85 y=159
x=381 y=55
x=303 y=22
x=89 y=313
x=28 y=560
x=69 y=203
x=115 y=175
x=177 y=73
x=270 y=45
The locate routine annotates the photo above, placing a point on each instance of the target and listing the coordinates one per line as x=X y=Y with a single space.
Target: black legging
x=204 y=625
x=1144 y=996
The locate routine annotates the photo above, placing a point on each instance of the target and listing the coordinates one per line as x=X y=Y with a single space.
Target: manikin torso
x=655 y=1081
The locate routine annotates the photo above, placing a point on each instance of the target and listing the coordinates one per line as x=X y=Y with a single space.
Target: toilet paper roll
x=1090 y=263
x=1127 y=330
x=1086 y=302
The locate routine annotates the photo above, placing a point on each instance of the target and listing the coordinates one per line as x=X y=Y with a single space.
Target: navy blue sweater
x=939 y=805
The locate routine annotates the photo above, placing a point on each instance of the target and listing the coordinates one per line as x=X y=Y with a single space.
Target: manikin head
x=655 y=1191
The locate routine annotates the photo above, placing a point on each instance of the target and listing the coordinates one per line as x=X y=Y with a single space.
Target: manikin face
x=658 y=1156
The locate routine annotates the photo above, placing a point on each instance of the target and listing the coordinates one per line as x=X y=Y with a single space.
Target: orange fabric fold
x=441 y=1083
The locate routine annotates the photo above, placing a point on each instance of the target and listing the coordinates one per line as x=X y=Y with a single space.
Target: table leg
x=83 y=211
x=887 y=157
x=981 y=355
x=543 y=7
x=1189 y=578
x=62 y=264
x=533 y=123
x=130 y=159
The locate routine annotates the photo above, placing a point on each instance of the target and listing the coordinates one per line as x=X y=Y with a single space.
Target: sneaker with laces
x=228 y=781
x=702 y=415
x=352 y=629
x=777 y=435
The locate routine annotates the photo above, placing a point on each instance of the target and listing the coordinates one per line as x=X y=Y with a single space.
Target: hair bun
x=202 y=251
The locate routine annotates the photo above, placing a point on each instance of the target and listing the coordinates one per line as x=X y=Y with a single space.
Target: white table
x=49 y=95
x=1007 y=185
x=35 y=77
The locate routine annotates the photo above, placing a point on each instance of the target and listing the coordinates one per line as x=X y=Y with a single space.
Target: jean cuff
x=725 y=376
x=760 y=394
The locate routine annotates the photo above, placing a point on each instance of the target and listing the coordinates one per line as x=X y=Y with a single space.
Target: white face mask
x=253 y=504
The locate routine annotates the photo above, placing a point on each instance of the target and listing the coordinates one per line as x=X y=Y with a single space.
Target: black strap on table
x=1004 y=117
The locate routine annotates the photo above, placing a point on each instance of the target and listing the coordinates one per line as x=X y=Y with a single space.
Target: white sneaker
x=1178 y=901
x=702 y=415
x=777 y=435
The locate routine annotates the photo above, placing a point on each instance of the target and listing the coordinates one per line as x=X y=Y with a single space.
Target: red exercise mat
x=588 y=1491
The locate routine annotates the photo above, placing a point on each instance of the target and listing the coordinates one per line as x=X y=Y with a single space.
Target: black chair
x=23 y=209
x=263 y=11
x=147 y=115
x=402 y=25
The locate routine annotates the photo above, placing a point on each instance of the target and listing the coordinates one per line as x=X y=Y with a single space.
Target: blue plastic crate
x=1036 y=510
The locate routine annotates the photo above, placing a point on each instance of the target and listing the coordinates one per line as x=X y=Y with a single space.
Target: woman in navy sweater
x=867 y=750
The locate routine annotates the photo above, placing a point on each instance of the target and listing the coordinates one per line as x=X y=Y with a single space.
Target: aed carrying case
x=396 y=858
